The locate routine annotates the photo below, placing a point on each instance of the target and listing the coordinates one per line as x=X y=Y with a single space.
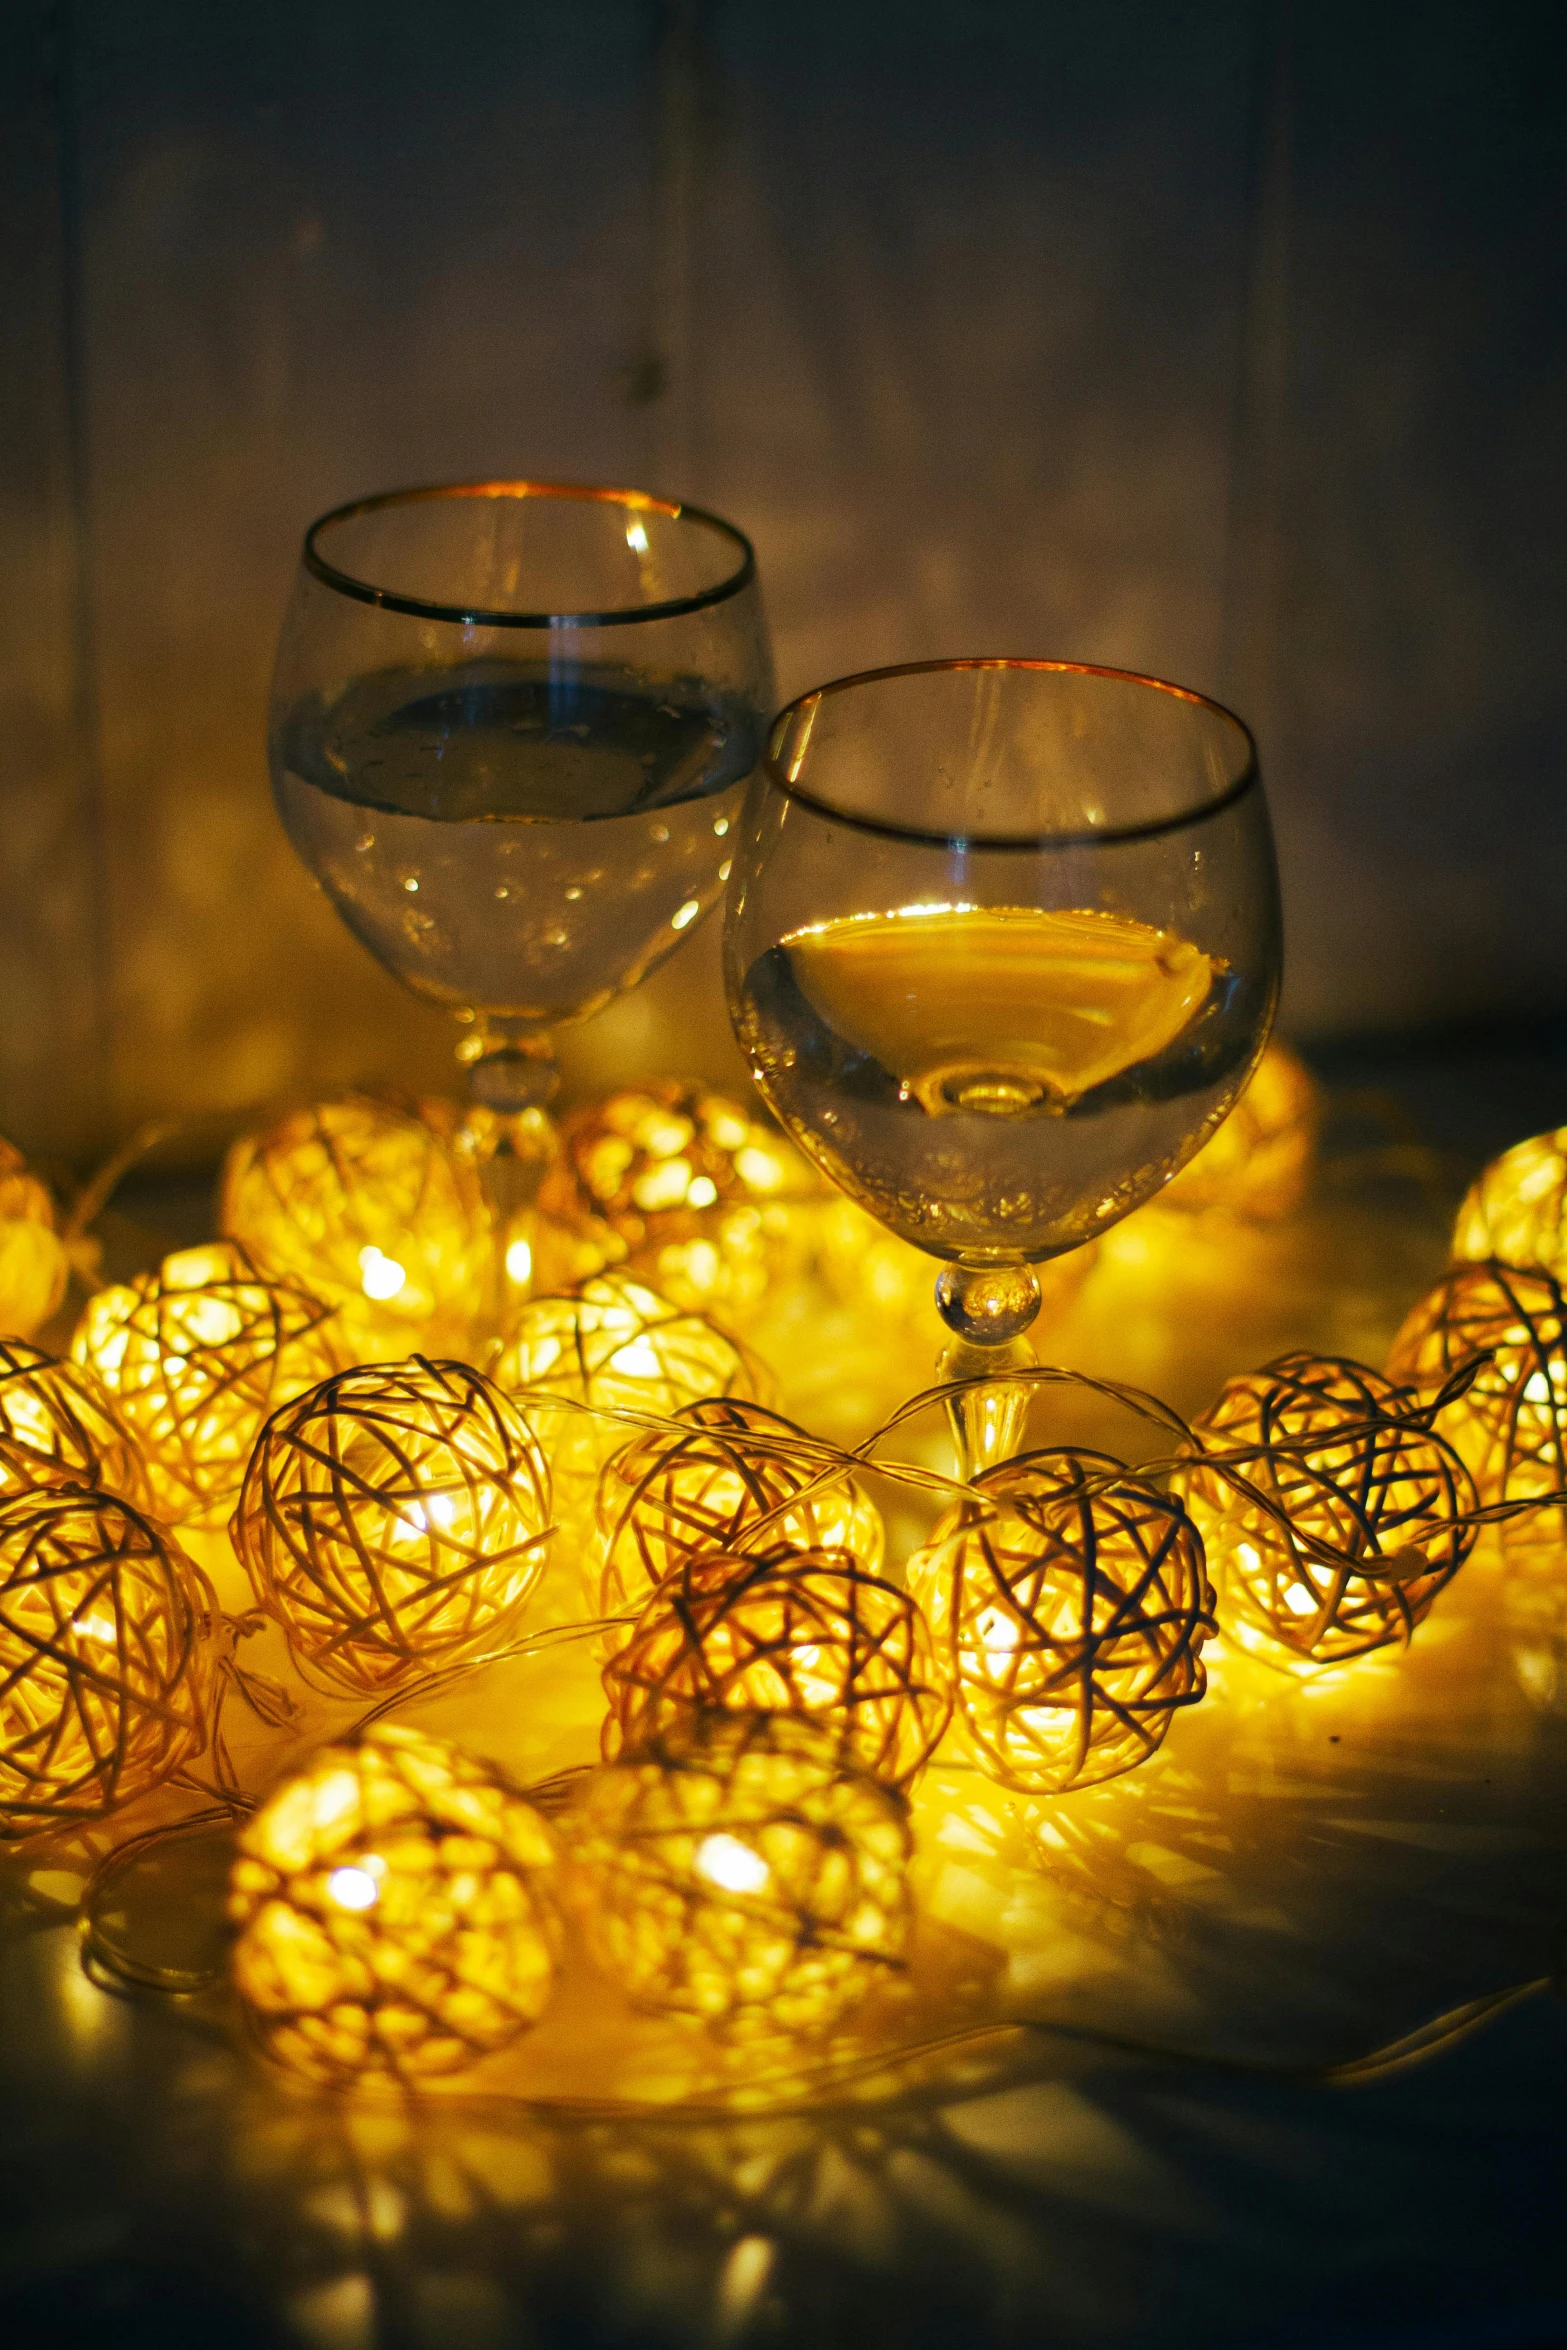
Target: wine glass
x=509 y=730
x=1002 y=947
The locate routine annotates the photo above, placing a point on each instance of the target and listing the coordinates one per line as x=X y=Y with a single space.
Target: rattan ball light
x=1510 y=1423
x=1516 y=1209
x=805 y=1632
x=1069 y=1601
x=725 y=1475
x=105 y=1680
x=194 y=1357
x=1257 y=1164
x=368 y=1205
x=58 y=1427
x=618 y=1348
x=712 y=1207
x=396 y=1913
x=394 y=1520
x=1331 y=1516
x=34 y=1266
x=738 y=1872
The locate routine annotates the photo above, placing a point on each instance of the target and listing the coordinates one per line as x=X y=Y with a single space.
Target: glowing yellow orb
x=725 y=1475
x=1068 y=1598
x=105 y=1680
x=791 y=1631
x=710 y=1205
x=395 y=1911
x=1339 y=1522
x=58 y=1427
x=34 y=1267
x=395 y=1519
x=1510 y=1424
x=194 y=1357
x=1516 y=1210
x=613 y=1346
x=369 y=1206
x=740 y=1873
x=1257 y=1164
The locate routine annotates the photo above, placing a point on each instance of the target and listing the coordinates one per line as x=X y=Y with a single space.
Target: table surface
x=1300 y=1878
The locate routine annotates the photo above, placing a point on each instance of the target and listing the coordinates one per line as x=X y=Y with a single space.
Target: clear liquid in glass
x=516 y=839
x=996 y=1082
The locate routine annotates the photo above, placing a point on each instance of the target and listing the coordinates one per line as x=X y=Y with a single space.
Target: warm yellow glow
x=1257 y=1164
x=104 y=1668
x=724 y=1476
x=34 y=1266
x=370 y=1207
x=616 y=1346
x=519 y=1263
x=395 y=1912
x=886 y=1278
x=711 y=1206
x=395 y=1519
x=636 y=538
x=684 y=916
x=1068 y=1597
x=803 y=1632
x=195 y=1356
x=1351 y=1533
x=725 y=1861
x=1516 y=1209
x=58 y=1427
x=1510 y=1423
x=663 y=1841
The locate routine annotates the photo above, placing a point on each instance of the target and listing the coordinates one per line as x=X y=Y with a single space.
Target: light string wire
x=812 y=2088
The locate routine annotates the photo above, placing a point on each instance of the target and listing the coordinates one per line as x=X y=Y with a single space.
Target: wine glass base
x=987 y=1421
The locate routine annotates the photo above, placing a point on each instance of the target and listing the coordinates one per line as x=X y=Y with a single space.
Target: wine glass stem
x=987 y=1422
x=511 y=1076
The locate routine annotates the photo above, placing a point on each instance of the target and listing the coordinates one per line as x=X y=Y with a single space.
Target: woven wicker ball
x=1257 y=1164
x=1068 y=1598
x=396 y=1913
x=1354 y=1518
x=725 y=1475
x=739 y=1873
x=617 y=1347
x=58 y=1427
x=712 y=1207
x=105 y=1680
x=790 y=1631
x=368 y=1205
x=194 y=1357
x=34 y=1266
x=1510 y=1424
x=1516 y=1209
x=394 y=1520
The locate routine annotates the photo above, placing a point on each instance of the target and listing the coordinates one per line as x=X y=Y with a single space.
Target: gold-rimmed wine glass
x=1002 y=947
x=510 y=725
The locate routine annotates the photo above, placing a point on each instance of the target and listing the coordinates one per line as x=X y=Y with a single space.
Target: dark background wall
x=1218 y=338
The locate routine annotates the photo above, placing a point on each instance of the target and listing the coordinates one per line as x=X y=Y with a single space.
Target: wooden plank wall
x=1217 y=339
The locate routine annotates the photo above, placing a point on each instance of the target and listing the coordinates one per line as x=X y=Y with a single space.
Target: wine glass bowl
x=509 y=728
x=1002 y=947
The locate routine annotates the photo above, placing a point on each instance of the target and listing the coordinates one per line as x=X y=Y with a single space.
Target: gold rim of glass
x=366 y=591
x=801 y=713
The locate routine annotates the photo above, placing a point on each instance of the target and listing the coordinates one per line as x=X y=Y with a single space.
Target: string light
x=712 y=1207
x=1516 y=1210
x=105 y=1682
x=739 y=1873
x=804 y=1632
x=58 y=1427
x=369 y=1206
x=1338 y=1517
x=726 y=1475
x=614 y=1346
x=194 y=1357
x=395 y=1913
x=34 y=1266
x=1069 y=1599
x=394 y=1520
x=1509 y=1325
